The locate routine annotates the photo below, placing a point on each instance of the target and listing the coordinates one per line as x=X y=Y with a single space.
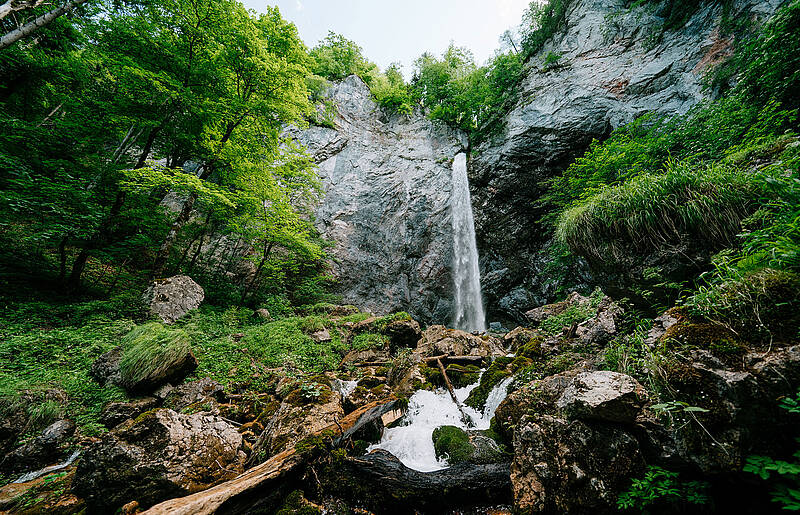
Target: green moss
x=497 y=371
x=365 y=341
x=533 y=348
x=452 y=444
x=148 y=349
x=296 y=504
x=461 y=376
x=312 y=324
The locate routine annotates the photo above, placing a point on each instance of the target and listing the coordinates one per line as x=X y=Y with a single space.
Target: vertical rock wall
x=387 y=182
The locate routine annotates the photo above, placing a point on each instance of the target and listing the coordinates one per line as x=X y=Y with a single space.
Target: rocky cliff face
x=387 y=187
x=615 y=64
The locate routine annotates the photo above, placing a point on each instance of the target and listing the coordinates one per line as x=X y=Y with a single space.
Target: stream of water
x=468 y=312
x=411 y=440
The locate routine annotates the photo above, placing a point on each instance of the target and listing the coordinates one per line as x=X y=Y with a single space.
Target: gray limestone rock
x=387 y=182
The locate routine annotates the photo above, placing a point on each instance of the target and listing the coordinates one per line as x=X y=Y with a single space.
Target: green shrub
x=652 y=213
x=660 y=488
x=149 y=349
x=312 y=324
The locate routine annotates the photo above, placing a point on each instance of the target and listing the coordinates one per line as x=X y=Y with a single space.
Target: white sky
x=401 y=30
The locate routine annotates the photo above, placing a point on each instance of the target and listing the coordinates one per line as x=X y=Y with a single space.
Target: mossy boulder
x=452 y=444
x=456 y=445
x=462 y=376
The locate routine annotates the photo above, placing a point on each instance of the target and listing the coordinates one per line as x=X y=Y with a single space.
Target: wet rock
x=603 y=395
x=367 y=356
x=162 y=454
x=45 y=449
x=571 y=467
x=602 y=327
x=118 y=412
x=173 y=297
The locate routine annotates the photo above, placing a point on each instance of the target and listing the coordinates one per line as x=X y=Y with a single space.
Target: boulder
x=603 y=395
x=297 y=417
x=403 y=333
x=204 y=393
x=15 y=419
x=115 y=413
x=105 y=368
x=439 y=340
x=456 y=445
x=160 y=455
x=173 y=297
x=43 y=450
x=175 y=368
x=538 y=315
x=571 y=467
x=262 y=314
x=519 y=337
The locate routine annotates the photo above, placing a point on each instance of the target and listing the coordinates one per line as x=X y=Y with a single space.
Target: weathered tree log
x=380 y=482
x=458 y=360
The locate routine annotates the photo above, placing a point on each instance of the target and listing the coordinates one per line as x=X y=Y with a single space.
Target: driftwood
x=450 y=389
x=470 y=360
x=396 y=489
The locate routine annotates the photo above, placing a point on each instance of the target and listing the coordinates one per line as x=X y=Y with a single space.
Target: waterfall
x=410 y=440
x=468 y=304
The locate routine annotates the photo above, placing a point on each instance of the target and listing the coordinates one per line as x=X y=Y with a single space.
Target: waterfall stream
x=411 y=440
x=468 y=312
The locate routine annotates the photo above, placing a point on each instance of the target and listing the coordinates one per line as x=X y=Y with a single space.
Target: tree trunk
x=17 y=5
x=267 y=251
x=32 y=26
x=166 y=246
x=62 y=253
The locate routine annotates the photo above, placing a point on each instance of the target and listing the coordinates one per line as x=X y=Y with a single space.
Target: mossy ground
x=53 y=345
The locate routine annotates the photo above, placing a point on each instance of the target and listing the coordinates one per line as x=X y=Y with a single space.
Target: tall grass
x=149 y=350
x=652 y=212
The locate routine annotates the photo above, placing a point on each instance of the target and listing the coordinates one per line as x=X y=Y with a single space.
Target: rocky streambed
x=545 y=423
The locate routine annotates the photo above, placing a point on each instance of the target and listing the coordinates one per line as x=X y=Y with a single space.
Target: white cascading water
x=411 y=442
x=469 y=314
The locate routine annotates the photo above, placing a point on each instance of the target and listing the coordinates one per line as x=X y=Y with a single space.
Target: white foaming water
x=469 y=314
x=345 y=388
x=496 y=396
x=412 y=441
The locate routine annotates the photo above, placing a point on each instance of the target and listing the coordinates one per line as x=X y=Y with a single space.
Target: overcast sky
x=401 y=30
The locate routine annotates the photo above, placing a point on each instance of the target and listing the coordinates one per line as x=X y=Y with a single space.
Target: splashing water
x=469 y=314
x=412 y=441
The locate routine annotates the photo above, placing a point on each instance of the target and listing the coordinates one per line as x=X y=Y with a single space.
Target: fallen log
x=469 y=360
x=381 y=483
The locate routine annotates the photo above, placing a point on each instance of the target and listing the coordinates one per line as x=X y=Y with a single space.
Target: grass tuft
x=149 y=350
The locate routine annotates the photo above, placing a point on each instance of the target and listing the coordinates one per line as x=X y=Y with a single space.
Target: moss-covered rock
x=452 y=444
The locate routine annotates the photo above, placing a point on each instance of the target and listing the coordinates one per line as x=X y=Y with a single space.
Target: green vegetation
x=111 y=112
x=785 y=474
x=713 y=191
x=662 y=489
x=149 y=349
